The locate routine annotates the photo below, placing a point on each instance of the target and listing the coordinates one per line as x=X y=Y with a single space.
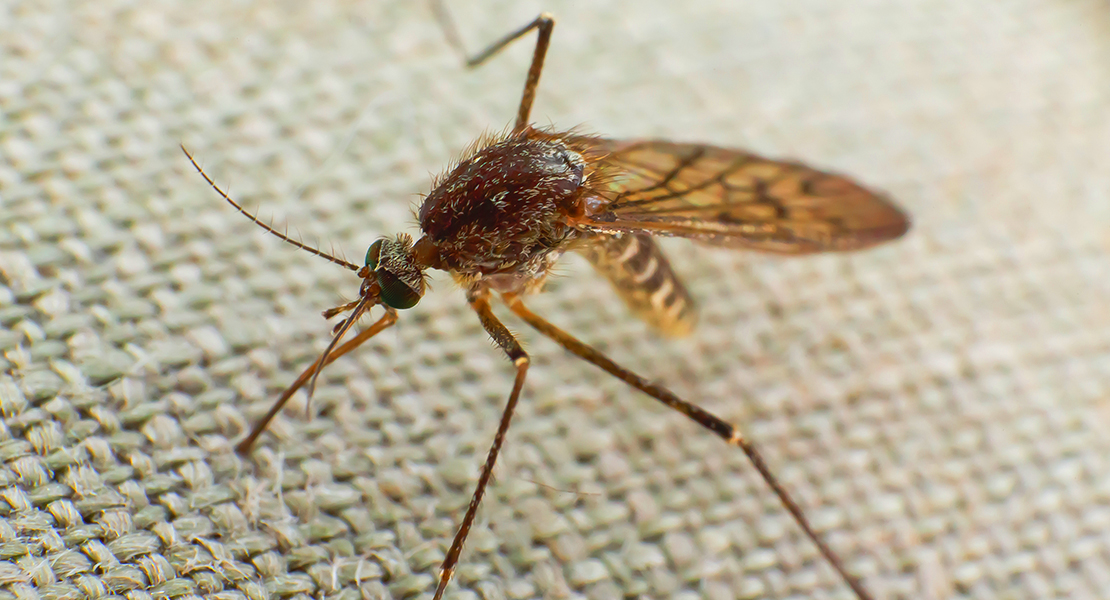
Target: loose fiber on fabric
x=939 y=406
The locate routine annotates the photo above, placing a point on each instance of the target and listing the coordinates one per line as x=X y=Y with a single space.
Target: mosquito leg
x=479 y=301
x=341 y=330
x=725 y=431
x=545 y=23
x=387 y=320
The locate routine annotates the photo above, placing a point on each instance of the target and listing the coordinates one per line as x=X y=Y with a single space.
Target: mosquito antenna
x=281 y=236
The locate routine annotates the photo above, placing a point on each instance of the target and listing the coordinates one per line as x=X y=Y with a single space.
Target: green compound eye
x=372 y=254
x=396 y=293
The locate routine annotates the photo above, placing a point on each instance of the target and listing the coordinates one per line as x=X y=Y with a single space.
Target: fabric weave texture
x=939 y=405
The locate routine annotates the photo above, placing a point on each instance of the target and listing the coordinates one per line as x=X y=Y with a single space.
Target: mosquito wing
x=732 y=198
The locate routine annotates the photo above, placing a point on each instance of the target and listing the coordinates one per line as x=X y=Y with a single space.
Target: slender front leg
x=723 y=430
x=479 y=301
x=545 y=23
x=325 y=359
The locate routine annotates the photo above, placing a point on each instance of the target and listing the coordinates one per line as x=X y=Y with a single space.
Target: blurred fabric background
x=939 y=406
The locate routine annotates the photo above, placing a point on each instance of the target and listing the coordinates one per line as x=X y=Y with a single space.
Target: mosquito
x=500 y=218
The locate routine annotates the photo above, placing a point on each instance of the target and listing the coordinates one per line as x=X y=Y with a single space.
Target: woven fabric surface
x=939 y=406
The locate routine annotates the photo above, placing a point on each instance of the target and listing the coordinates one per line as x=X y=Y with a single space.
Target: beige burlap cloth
x=939 y=406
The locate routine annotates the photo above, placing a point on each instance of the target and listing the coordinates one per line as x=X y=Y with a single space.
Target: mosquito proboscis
x=504 y=213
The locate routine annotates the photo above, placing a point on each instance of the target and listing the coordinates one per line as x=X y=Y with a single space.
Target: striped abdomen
x=644 y=279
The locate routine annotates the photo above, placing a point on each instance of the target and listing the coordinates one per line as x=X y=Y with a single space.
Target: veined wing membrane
x=731 y=198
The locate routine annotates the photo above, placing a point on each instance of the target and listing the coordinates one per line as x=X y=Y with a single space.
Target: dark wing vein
x=733 y=198
x=672 y=193
x=665 y=181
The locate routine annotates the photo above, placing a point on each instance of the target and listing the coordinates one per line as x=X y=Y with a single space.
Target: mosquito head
x=392 y=263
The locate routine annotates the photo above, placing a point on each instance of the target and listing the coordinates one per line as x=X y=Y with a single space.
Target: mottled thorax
x=504 y=207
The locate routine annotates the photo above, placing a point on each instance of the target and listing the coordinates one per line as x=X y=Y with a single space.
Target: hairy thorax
x=501 y=215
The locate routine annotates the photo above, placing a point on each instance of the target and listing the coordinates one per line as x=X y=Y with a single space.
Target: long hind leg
x=725 y=431
x=545 y=23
